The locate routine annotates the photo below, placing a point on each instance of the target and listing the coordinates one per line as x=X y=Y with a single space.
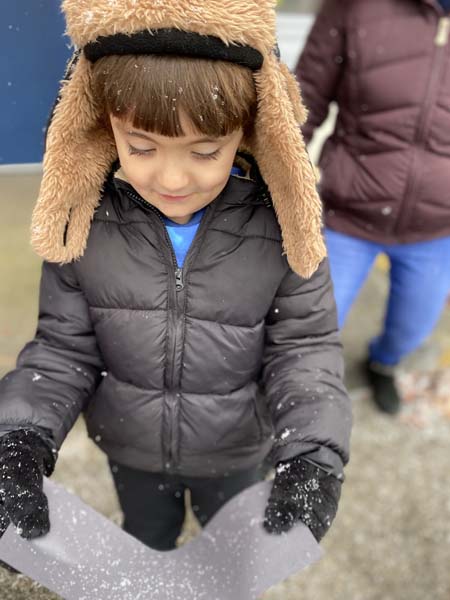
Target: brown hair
x=151 y=91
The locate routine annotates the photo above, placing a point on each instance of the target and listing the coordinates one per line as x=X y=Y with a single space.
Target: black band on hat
x=176 y=43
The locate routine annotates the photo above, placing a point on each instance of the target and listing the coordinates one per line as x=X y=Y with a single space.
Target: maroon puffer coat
x=386 y=168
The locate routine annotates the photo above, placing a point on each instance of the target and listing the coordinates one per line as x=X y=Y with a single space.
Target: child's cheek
x=213 y=177
x=138 y=172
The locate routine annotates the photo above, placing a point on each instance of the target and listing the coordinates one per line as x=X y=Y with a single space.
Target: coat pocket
x=336 y=174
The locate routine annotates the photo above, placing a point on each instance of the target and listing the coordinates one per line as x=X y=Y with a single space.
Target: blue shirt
x=182 y=236
x=238 y=171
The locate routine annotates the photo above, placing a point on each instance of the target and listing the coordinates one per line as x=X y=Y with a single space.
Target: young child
x=195 y=330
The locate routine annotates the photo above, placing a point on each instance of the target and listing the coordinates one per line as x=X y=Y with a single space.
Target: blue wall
x=33 y=56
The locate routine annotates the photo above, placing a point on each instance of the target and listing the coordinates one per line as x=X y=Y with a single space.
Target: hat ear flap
x=79 y=154
x=278 y=147
x=293 y=91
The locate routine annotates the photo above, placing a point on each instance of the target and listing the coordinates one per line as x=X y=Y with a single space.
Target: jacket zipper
x=173 y=394
x=440 y=44
x=178 y=272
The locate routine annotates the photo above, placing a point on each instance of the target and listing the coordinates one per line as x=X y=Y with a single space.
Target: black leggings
x=153 y=503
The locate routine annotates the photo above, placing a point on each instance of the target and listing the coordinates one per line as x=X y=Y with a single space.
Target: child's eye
x=211 y=156
x=139 y=151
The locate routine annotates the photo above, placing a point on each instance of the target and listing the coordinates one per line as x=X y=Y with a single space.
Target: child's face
x=177 y=175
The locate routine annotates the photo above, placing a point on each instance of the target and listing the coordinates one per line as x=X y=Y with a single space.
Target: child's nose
x=172 y=178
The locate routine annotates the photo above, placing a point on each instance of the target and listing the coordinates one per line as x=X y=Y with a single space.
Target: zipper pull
x=443 y=32
x=179 y=283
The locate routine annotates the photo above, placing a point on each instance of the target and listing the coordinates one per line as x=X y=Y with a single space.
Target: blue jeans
x=419 y=286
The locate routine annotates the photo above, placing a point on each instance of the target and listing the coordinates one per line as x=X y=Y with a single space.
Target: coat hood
x=243 y=31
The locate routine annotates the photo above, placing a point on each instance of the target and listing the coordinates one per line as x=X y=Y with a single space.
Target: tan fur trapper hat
x=79 y=154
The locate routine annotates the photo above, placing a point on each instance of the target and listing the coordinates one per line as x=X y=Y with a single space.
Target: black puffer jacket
x=184 y=371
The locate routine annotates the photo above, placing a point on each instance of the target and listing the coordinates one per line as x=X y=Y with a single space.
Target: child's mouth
x=174 y=198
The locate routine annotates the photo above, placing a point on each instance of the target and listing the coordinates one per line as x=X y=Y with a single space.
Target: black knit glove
x=24 y=459
x=302 y=492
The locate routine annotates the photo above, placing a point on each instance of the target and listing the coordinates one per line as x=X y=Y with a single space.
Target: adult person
x=385 y=169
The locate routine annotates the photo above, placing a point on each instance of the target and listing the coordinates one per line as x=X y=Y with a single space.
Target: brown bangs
x=152 y=91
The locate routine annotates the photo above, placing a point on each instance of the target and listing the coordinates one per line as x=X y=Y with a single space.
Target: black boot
x=384 y=391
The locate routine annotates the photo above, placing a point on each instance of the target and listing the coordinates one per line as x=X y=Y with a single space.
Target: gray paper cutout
x=87 y=557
